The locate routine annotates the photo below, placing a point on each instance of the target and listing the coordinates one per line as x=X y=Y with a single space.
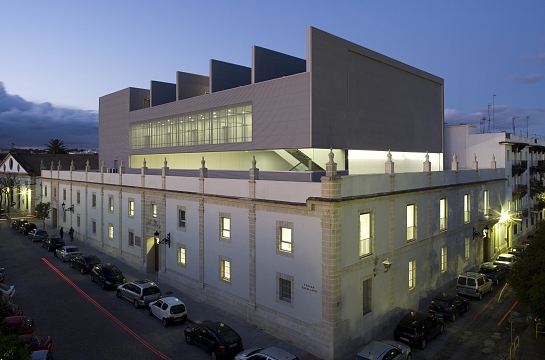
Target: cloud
x=541 y=59
x=529 y=79
x=29 y=125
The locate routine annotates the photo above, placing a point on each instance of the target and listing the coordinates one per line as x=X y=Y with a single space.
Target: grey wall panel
x=113 y=127
x=365 y=100
x=191 y=85
x=162 y=92
x=268 y=64
x=224 y=76
x=139 y=99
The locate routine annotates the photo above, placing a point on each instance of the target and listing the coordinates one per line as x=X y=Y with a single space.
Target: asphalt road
x=87 y=322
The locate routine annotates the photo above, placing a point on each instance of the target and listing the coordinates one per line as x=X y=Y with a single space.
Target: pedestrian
x=61 y=232
x=71 y=233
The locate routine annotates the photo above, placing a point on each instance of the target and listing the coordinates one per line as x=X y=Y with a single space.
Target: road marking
x=484 y=308
x=125 y=327
x=507 y=313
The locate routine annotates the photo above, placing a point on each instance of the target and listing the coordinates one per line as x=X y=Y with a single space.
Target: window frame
x=280 y=240
x=130 y=208
x=367 y=295
x=467 y=208
x=225 y=269
x=93 y=200
x=130 y=237
x=444 y=259
x=365 y=245
x=284 y=279
x=111 y=232
x=225 y=227
x=443 y=210
x=412 y=274
x=93 y=226
x=414 y=222
x=182 y=209
x=466 y=247
x=78 y=197
x=154 y=211
x=111 y=204
x=181 y=260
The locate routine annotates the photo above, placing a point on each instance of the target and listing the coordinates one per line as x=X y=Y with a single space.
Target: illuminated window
x=181 y=255
x=111 y=203
x=443 y=259
x=486 y=203
x=110 y=231
x=131 y=207
x=466 y=248
x=365 y=234
x=225 y=227
x=153 y=210
x=467 y=207
x=226 y=270
x=443 y=214
x=411 y=222
x=412 y=274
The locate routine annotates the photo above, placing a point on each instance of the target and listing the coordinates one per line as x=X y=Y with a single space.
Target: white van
x=473 y=284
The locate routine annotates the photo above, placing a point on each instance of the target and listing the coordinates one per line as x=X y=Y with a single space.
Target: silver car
x=139 y=292
x=506 y=261
x=267 y=353
x=385 y=349
x=67 y=253
x=7 y=291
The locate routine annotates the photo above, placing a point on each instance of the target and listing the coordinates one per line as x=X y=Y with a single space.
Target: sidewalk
x=197 y=311
x=530 y=346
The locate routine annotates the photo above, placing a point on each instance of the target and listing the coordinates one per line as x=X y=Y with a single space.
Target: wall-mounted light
x=65 y=209
x=165 y=241
x=484 y=233
x=387 y=264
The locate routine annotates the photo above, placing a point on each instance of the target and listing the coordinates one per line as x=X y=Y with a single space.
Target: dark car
x=216 y=338
x=517 y=250
x=26 y=228
x=53 y=243
x=22 y=324
x=493 y=272
x=107 y=275
x=84 y=263
x=448 y=306
x=12 y=310
x=16 y=224
x=2 y=275
x=39 y=342
x=38 y=235
x=417 y=328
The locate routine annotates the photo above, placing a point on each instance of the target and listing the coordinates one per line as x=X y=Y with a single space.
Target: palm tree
x=56 y=146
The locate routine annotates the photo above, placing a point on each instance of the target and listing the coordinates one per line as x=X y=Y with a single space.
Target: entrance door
x=486 y=249
x=156 y=250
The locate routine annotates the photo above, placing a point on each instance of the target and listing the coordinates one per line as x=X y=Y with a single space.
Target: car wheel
x=423 y=344
x=213 y=356
x=151 y=313
x=103 y=285
x=453 y=317
x=165 y=324
x=81 y=270
x=480 y=296
x=441 y=328
x=136 y=304
x=188 y=339
x=118 y=294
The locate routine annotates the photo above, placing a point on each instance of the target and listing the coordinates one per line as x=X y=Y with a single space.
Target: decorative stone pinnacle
x=427 y=156
x=165 y=162
x=144 y=163
x=474 y=157
x=87 y=163
x=454 y=158
x=253 y=162
x=331 y=156
x=202 y=163
x=389 y=155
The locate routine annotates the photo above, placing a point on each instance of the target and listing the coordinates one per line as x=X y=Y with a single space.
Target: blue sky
x=69 y=53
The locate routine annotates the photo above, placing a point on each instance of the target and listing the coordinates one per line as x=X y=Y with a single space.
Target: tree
x=42 y=211
x=56 y=146
x=8 y=182
x=527 y=277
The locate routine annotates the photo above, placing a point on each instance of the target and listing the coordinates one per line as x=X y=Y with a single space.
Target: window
x=94 y=200
x=467 y=207
x=94 y=227
x=111 y=203
x=412 y=274
x=466 y=248
x=153 y=210
x=54 y=192
x=225 y=226
x=443 y=214
x=486 y=203
x=508 y=155
x=367 y=295
x=64 y=216
x=284 y=289
x=78 y=221
x=181 y=255
x=225 y=265
x=443 y=259
x=110 y=231
x=181 y=217
x=131 y=208
x=64 y=194
x=365 y=234
x=411 y=222
x=45 y=191
x=78 y=197
x=508 y=205
x=131 y=238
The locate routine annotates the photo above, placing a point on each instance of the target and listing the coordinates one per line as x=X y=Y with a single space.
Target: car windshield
x=152 y=290
x=229 y=336
x=486 y=271
x=113 y=271
x=440 y=302
x=72 y=250
x=503 y=258
x=92 y=259
x=177 y=309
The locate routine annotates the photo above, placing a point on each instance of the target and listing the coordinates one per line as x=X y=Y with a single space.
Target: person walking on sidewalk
x=71 y=233
x=61 y=232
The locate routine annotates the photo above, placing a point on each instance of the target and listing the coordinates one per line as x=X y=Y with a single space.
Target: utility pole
x=527 y=126
x=493 y=127
x=514 y=131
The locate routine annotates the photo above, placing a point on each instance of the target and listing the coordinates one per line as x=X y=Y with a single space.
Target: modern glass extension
x=220 y=126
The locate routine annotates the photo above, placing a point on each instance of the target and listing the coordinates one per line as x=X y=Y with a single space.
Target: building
x=306 y=197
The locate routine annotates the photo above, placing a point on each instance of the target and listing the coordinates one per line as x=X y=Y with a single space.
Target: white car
x=169 y=310
x=267 y=353
x=68 y=252
x=7 y=291
x=385 y=349
x=506 y=261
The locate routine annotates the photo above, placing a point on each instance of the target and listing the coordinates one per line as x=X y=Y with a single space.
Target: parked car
x=473 y=284
x=22 y=324
x=12 y=310
x=384 y=350
x=26 y=228
x=506 y=261
x=215 y=337
x=417 y=328
x=67 y=252
x=18 y=223
x=39 y=342
x=270 y=353
x=169 y=310
x=517 y=250
x=448 y=306
x=7 y=291
x=139 y=292
x=495 y=273
x=2 y=274
x=41 y=355
x=38 y=235
x=84 y=263
x=527 y=241
x=107 y=275
x=53 y=242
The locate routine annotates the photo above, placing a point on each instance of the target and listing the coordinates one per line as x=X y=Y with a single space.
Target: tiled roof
x=31 y=162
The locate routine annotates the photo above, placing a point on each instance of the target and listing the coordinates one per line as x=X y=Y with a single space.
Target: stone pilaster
x=252 y=258
x=164 y=174
x=201 y=243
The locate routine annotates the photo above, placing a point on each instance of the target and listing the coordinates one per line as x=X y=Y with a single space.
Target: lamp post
x=493 y=127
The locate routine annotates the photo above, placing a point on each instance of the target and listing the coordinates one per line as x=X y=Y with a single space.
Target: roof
x=32 y=163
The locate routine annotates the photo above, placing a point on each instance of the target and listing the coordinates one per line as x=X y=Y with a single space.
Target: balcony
x=536 y=187
x=537 y=167
x=519 y=191
x=519 y=167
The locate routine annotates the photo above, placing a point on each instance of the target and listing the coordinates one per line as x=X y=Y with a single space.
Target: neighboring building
x=295 y=245
x=27 y=168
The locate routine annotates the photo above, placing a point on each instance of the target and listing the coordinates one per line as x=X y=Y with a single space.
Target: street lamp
x=387 y=264
x=165 y=241
x=65 y=209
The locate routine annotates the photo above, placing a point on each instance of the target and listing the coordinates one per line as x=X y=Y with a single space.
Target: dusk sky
x=59 y=57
